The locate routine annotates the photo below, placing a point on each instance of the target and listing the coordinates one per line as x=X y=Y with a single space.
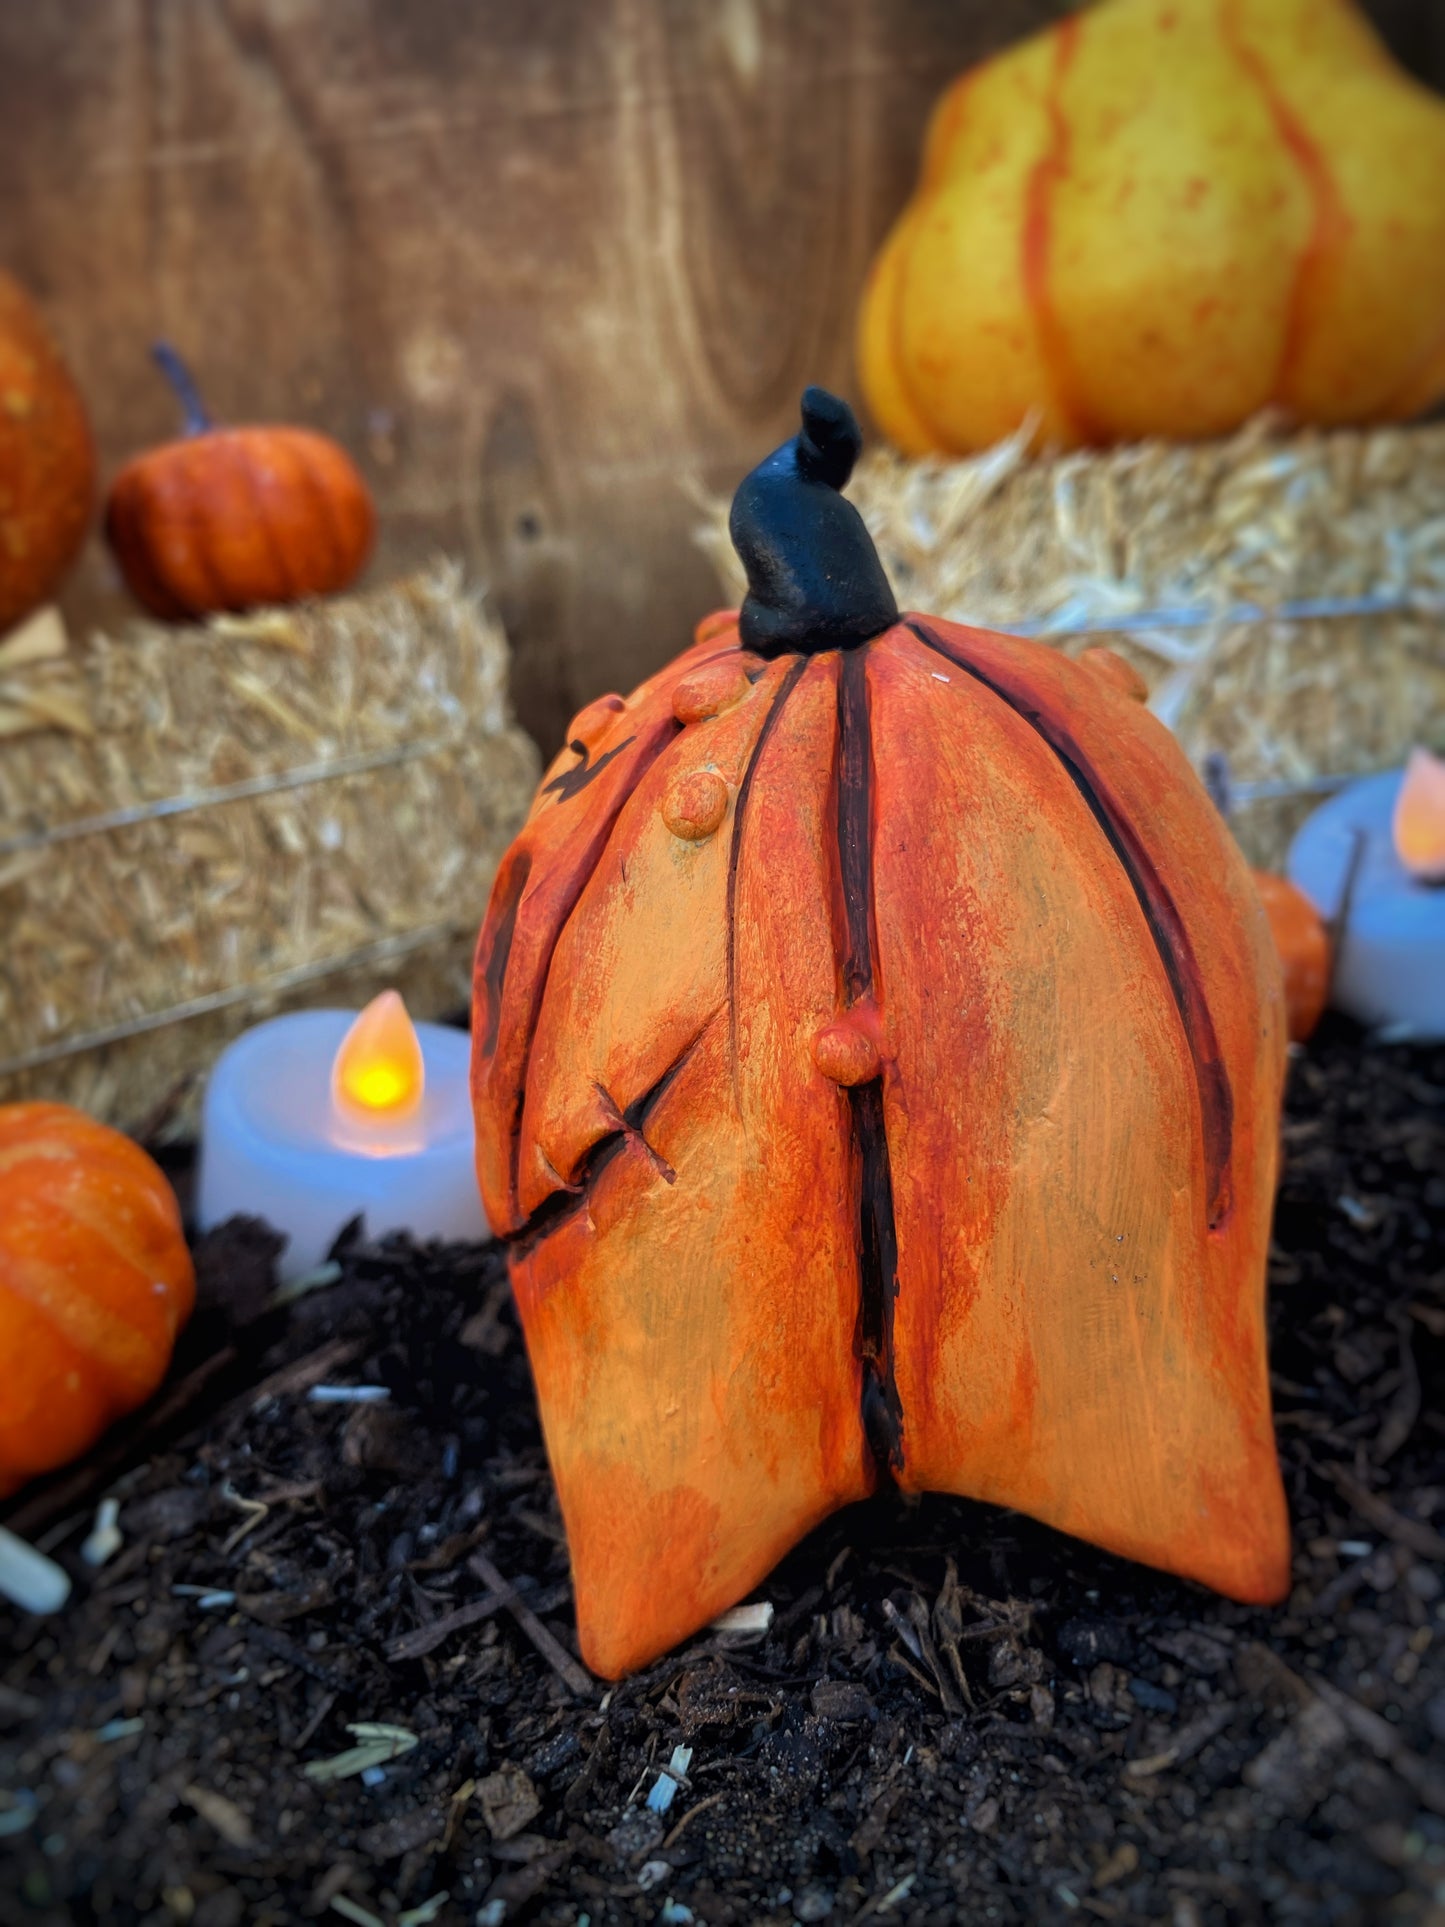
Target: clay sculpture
x=878 y=1055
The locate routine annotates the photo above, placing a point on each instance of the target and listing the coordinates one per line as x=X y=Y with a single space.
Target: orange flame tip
x=1419 y=822
x=378 y=1070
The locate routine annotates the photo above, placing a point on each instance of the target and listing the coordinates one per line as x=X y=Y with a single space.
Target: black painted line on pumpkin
x=882 y=1409
x=560 y=1207
x=634 y=1131
x=491 y=972
x=576 y=779
x=855 y=806
x=563 y=1205
x=1161 y=915
x=735 y=849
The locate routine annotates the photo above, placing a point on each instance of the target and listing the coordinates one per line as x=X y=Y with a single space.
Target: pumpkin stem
x=198 y=420
x=814 y=578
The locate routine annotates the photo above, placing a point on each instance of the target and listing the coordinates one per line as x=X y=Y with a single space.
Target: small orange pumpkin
x=1305 y=952
x=231 y=518
x=878 y=1059
x=47 y=459
x=95 y=1283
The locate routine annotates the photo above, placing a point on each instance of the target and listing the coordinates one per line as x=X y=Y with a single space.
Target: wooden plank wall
x=544 y=267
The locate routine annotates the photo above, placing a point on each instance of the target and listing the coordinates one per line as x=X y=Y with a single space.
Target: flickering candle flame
x=379 y=1070
x=1418 y=826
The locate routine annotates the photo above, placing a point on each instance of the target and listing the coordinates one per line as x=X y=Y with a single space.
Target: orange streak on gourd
x=1036 y=236
x=1329 y=224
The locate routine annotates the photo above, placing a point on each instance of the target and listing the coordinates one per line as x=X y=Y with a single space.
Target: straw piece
x=298 y=806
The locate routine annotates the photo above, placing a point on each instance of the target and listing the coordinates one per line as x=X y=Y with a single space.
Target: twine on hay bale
x=201 y=826
x=1283 y=595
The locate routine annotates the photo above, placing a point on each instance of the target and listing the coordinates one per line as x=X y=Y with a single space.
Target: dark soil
x=956 y=1715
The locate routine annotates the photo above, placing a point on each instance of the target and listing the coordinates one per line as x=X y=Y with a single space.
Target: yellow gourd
x=1159 y=217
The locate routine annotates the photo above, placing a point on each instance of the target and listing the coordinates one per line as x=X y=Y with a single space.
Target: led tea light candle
x=318 y=1116
x=1372 y=860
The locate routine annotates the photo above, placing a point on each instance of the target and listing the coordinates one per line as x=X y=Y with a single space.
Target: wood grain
x=541 y=268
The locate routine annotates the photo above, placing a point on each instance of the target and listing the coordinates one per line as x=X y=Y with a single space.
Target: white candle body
x=1390 y=967
x=275 y=1145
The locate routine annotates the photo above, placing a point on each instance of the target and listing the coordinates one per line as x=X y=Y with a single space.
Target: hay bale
x=201 y=826
x=1283 y=595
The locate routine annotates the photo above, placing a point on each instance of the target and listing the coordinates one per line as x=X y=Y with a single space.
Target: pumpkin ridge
x=504 y=1089
x=882 y=1412
x=103 y=1338
x=1328 y=219
x=1036 y=239
x=322 y=506
x=554 y=1211
x=740 y=804
x=190 y=467
x=280 y=561
x=1161 y=917
x=123 y=518
x=490 y=976
x=666 y=735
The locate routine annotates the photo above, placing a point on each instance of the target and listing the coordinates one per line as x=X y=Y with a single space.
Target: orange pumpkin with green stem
x=95 y=1282
x=232 y=518
x=878 y=1059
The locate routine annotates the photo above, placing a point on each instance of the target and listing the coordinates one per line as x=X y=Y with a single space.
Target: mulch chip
x=954 y=1714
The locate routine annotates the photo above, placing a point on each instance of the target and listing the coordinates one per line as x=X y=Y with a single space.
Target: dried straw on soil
x=214 y=823
x=1180 y=557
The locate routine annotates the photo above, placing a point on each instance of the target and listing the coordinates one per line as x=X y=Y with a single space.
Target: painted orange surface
x=47 y=459
x=237 y=517
x=1159 y=217
x=1305 y=951
x=913 y=1117
x=95 y=1283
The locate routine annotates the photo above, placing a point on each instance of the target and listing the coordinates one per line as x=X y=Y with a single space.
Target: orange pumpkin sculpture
x=878 y=1055
x=232 y=518
x=1158 y=217
x=95 y=1282
x=47 y=460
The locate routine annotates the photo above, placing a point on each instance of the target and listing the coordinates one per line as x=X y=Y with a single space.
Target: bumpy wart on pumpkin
x=877 y=1071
